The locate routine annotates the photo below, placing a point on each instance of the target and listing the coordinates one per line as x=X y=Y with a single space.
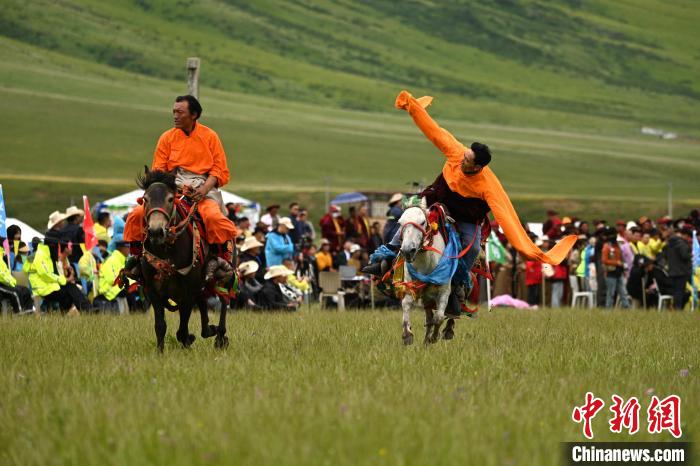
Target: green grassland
x=302 y=96
x=326 y=388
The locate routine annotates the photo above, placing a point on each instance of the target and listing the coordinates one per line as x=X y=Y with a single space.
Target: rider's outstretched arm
x=442 y=138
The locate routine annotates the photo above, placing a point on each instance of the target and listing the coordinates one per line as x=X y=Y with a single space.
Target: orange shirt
x=483 y=185
x=201 y=152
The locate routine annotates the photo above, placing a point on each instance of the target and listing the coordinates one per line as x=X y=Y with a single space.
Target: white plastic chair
x=663 y=298
x=577 y=295
x=329 y=282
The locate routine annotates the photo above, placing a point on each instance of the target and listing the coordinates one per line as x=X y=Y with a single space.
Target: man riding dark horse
x=194 y=153
x=469 y=190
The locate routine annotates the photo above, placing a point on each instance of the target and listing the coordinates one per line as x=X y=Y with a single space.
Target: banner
x=88 y=226
x=495 y=250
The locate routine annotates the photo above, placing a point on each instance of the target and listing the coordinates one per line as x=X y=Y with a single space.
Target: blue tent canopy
x=349 y=198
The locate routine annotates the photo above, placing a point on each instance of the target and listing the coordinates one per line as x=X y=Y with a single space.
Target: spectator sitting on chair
x=109 y=271
x=375 y=238
x=251 y=251
x=21 y=257
x=249 y=288
x=299 y=284
x=324 y=258
x=52 y=286
x=278 y=244
x=307 y=233
x=14 y=233
x=355 y=259
x=275 y=296
x=20 y=297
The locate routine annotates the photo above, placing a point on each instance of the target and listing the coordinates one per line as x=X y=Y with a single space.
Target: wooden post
x=193 y=76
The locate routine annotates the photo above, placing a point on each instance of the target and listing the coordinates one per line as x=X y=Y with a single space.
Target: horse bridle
x=168 y=215
x=425 y=232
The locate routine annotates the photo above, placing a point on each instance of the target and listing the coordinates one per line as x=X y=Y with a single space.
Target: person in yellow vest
x=107 y=290
x=20 y=297
x=51 y=286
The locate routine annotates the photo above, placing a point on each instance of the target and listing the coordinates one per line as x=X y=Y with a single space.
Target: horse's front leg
x=221 y=341
x=208 y=330
x=406 y=305
x=439 y=314
x=160 y=325
x=183 y=333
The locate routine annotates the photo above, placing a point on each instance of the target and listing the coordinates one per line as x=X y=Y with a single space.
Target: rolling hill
x=302 y=95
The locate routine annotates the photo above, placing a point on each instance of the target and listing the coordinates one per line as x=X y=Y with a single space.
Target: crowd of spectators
x=279 y=258
x=626 y=263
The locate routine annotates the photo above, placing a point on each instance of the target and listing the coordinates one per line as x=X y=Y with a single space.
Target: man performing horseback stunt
x=196 y=155
x=469 y=190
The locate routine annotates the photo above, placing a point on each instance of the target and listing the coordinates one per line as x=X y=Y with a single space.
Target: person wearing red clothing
x=333 y=228
x=195 y=153
x=533 y=280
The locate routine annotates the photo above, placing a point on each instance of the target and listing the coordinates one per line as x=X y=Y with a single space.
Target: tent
x=349 y=198
x=125 y=202
x=27 y=232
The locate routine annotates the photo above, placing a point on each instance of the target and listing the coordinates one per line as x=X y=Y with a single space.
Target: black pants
x=680 y=296
x=67 y=296
x=17 y=296
x=533 y=294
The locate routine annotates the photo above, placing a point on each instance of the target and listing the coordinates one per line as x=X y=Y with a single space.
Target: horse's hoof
x=209 y=331
x=187 y=340
x=160 y=347
x=408 y=339
x=221 y=342
x=448 y=334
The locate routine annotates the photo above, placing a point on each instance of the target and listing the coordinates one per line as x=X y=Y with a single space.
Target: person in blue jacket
x=278 y=244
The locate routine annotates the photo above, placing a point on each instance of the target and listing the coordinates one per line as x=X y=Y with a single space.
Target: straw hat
x=248 y=267
x=286 y=221
x=73 y=210
x=277 y=271
x=250 y=243
x=55 y=218
x=395 y=198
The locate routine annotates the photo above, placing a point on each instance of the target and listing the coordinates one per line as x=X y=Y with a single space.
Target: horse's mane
x=156 y=176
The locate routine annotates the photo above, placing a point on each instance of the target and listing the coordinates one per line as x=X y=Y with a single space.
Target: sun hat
x=286 y=221
x=248 y=267
x=250 y=243
x=55 y=218
x=396 y=197
x=73 y=210
x=277 y=271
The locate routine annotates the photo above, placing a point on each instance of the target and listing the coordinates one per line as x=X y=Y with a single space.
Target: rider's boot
x=133 y=262
x=220 y=268
x=380 y=268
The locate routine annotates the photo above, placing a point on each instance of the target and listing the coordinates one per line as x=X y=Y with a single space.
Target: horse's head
x=158 y=202
x=414 y=225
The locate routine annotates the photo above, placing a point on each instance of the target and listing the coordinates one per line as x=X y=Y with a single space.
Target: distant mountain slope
x=635 y=61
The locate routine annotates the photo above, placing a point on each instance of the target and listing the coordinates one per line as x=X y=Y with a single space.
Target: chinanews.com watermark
x=661 y=415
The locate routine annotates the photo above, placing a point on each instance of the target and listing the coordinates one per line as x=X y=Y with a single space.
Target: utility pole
x=670 y=199
x=193 y=76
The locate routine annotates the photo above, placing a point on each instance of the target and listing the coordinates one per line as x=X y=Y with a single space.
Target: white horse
x=414 y=234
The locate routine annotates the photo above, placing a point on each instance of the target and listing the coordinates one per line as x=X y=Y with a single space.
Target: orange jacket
x=201 y=152
x=483 y=185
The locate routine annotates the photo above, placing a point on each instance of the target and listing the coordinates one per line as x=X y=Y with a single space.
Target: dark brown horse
x=172 y=265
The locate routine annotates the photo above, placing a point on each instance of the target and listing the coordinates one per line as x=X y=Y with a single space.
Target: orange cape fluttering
x=483 y=185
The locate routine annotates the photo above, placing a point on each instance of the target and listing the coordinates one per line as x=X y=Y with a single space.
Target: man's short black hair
x=102 y=216
x=193 y=104
x=482 y=154
x=293 y=204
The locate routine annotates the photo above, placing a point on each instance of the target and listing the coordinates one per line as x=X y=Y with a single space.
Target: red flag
x=88 y=226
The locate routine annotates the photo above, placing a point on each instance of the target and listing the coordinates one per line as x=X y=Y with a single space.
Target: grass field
x=325 y=388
